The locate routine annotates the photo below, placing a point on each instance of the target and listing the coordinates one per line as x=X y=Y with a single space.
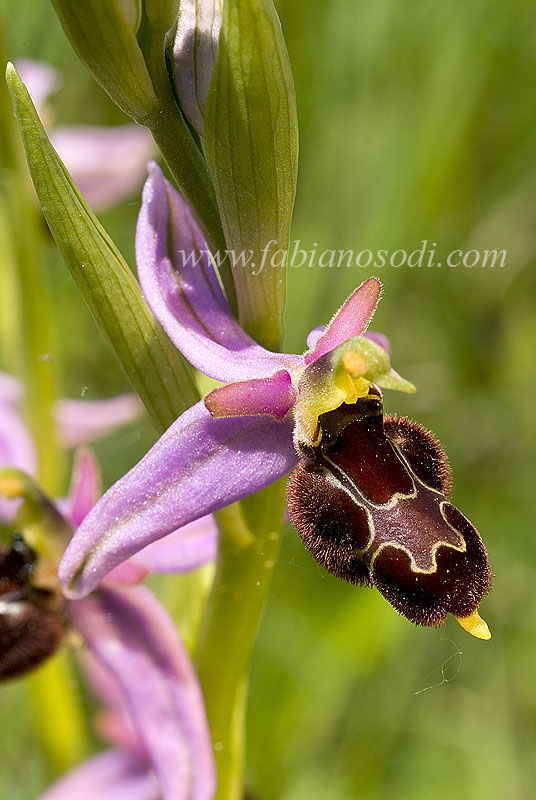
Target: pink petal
x=16 y=450
x=194 y=55
x=314 y=335
x=185 y=549
x=275 y=395
x=114 y=723
x=116 y=729
x=189 y=547
x=16 y=445
x=85 y=487
x=350 y=320
x=83 y=421
x=380 y=339
x=181 y=287
x=129 y=571
x=106 y=164
x=112 y=775
x=10 y=390
x=131 y=633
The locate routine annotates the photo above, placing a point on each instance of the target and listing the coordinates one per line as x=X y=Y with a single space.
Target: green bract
x=251 y=139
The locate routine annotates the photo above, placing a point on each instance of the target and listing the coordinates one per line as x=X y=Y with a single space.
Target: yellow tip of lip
x=475 y=625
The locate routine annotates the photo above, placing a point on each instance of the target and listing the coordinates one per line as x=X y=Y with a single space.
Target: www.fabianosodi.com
x=295 y=256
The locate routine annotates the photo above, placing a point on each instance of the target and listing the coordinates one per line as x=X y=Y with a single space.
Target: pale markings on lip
x=12 y=607
x=393 y=500
x=461 y=548
x=337 y=483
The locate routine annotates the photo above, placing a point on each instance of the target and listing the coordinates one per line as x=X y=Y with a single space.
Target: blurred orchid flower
x=110 y=775
x=155 y=718
x=16 y=445
x=106 y=163
x=78 y=422
x=82 y=421
x=130 y=635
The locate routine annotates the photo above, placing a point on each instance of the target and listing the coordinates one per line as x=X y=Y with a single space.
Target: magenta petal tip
x=275 y=396
x=350 y=320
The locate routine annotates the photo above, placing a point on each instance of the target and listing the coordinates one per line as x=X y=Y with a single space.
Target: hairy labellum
x=30 y=628
x=371 y=504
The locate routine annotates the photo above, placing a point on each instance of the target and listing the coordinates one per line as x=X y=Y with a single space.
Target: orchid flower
x=125 y=628
x=106 y=163
x=272 y=413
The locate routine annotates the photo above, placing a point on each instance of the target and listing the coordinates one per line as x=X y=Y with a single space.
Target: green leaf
x=251 y=139
x=156 y=370
x=101 y=32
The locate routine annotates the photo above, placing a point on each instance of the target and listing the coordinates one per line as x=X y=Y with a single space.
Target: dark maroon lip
x=371 y=503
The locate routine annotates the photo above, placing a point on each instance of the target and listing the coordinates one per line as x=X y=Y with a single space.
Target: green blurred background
x=417 y=123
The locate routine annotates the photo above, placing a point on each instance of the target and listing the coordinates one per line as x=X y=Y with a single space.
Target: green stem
x=39 y=369
x=30 y=318
x=58 y=713
x=9 y=294
x=250 y=534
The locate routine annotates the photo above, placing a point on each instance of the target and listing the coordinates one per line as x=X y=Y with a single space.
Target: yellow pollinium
x=475 y=625
x=355 y=364
x=10 y=485
x=349 y=377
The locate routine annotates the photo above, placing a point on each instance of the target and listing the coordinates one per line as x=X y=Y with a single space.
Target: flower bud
x=194 y=55
x=162 y=14
x=370 y=502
